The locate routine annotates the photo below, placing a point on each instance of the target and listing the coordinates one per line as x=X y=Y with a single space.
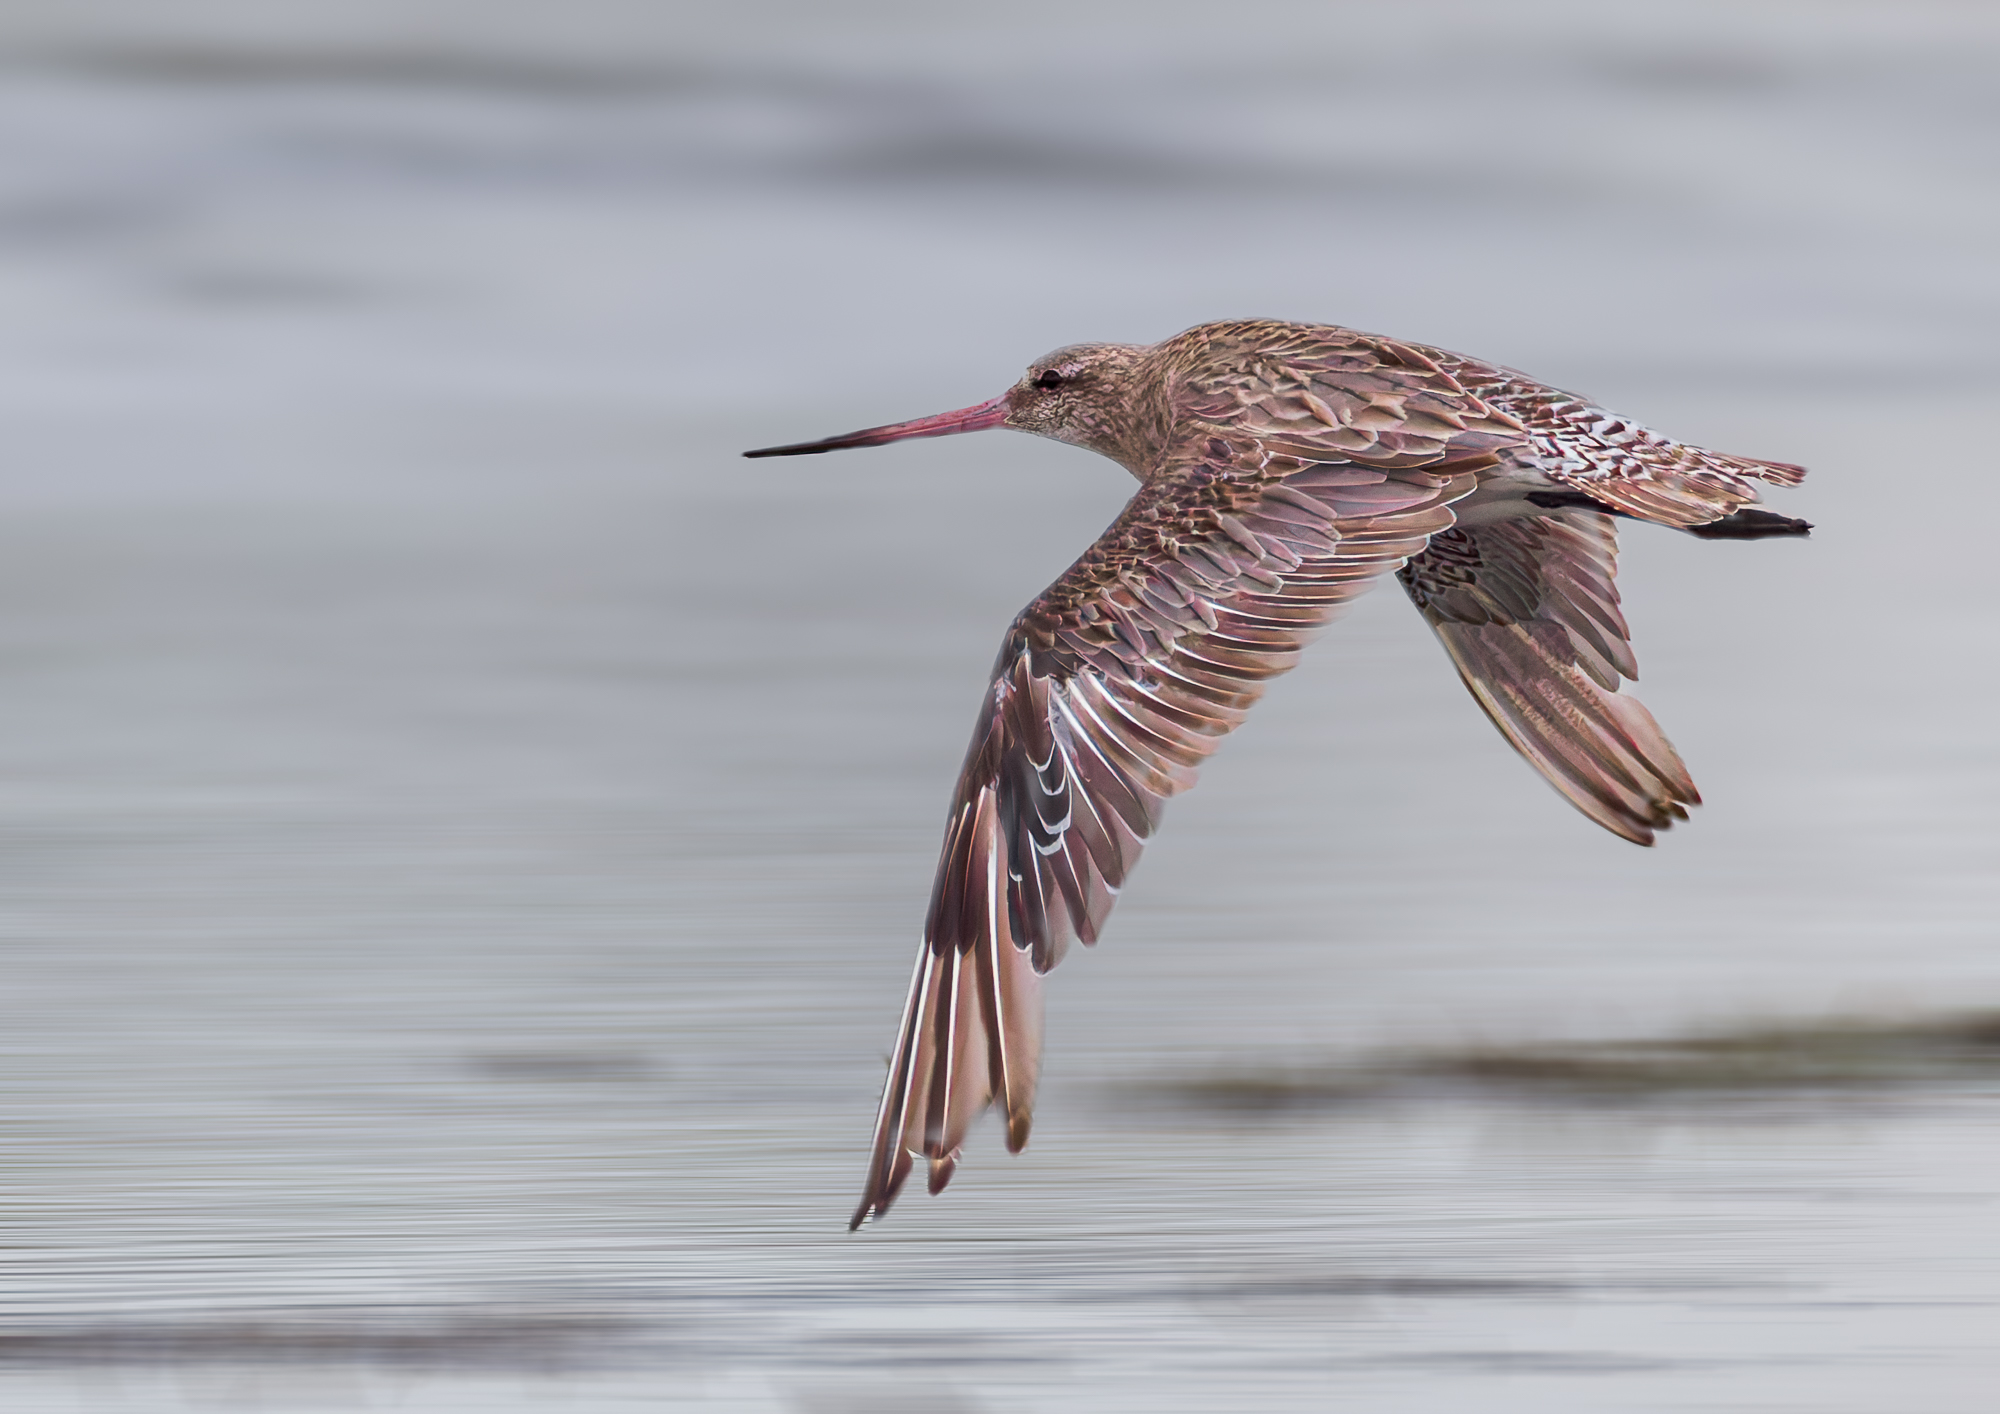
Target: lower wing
x=1528 y=610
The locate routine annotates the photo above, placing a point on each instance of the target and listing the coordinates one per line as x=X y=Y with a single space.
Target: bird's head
x=1088 y=395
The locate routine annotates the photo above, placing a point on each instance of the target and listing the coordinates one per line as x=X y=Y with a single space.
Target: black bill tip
x=797 y=449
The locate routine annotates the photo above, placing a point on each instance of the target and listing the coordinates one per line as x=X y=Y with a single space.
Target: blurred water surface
x=463 y=830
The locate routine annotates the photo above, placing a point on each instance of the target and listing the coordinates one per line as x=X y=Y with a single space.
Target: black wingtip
x=1750 y=525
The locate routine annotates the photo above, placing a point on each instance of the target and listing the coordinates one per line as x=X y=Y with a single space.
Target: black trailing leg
x=1743 y=525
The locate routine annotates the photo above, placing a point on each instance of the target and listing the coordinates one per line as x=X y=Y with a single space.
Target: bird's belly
x=1503 y=495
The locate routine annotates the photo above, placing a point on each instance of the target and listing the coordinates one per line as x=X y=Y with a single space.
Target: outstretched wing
x=1108 y=693
x=1528 y=610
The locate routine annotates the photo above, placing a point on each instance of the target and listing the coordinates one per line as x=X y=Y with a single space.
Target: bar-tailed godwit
x=1282 y=468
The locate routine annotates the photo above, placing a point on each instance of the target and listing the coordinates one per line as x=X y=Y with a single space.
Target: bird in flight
x=1282 y=468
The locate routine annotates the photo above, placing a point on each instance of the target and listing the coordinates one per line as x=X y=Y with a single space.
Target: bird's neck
x=1138 y=426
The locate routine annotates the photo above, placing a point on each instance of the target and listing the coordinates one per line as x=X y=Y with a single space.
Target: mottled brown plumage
x=1283 y=468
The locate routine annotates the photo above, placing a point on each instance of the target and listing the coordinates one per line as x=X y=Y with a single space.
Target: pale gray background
x=464 y=831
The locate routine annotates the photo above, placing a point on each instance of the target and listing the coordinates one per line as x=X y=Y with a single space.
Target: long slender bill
x=973 y=419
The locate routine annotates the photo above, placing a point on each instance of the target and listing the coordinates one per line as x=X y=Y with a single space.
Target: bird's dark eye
x=1048 y=378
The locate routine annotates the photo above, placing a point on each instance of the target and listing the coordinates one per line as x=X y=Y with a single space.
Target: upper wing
x=1326 y=393
x=1109 y=691
x=1528 y=610
x=1322 y=391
